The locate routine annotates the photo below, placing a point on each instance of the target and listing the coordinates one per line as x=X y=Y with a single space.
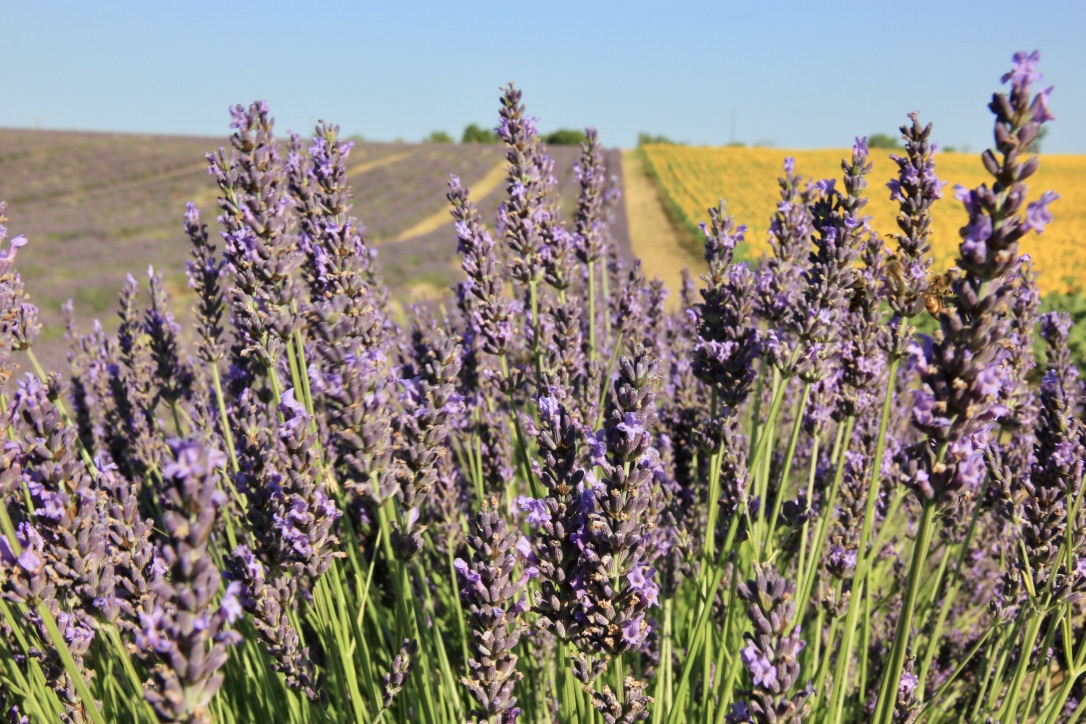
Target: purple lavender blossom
x=430 y=403
x=962 y=372
x=727 y=340
x=588 y=219
x=559 y=537
x=185 y=633
x=915 y=189
x=790 y=231
x=270 y=603
x=616 y=532
x=815 y=320
x=261 y=256
x=494 y=600
x=527 y=218
x=19 y=326
x=204 y=271
x=770 y=655
x=1059 y=460
x=492 y=313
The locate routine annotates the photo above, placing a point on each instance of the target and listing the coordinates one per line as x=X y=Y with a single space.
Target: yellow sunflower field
x=693 y=178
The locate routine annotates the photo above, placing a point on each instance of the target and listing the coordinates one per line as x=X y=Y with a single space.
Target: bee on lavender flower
x=938 y=292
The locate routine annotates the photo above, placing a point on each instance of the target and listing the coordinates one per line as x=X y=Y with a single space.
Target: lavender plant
x=555 y=498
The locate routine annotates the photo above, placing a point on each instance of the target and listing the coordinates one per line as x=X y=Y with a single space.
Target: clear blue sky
x=796 y=74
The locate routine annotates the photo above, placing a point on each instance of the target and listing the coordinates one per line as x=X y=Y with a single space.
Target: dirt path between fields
x=653 y=236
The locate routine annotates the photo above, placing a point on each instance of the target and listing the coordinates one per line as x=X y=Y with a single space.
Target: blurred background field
x=692 y=178
x=96 y=206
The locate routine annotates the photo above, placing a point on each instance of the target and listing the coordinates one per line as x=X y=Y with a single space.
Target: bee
x=859 y=294
x=937 y=292
x=895 y=277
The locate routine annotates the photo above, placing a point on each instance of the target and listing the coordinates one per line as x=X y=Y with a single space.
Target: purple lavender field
x=99 y=206
x=550 y=496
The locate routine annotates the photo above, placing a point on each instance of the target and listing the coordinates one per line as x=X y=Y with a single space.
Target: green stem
x=756 y=414
x=712 y=500
x=224 y=420
x=998 y=644
x=592 y=311
x=811 y=473
x=1045 y=644
x=941 y=691
x=824 y=663
x=1075 y=671
x=606 y=381
x=70 y=667
x=522 y=445
x=1008 y=711
x=734 y=664
x=697 y=631
x=949 y=597
x=808 y=577
x=865 y=644
x=996 y=685
x=892 y=678
x=448 y=681
x=778 y=500
x=537 y=347
x=606 y=299
x=661 y=685
x=134 y=683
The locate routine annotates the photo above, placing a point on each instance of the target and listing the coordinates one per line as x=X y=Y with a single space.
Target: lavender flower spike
x=727 y=341
x=204 y=271
x=915 y=189
x=185 y=634
x=962 y=371
x=771 y=651
x=495 y=602
x=492 y=313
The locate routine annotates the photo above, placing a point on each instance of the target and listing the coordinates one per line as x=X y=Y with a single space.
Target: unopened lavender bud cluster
x=429 y=402
x=915 y=190
x=619 y=585
x=493 y=595
x=187 y=633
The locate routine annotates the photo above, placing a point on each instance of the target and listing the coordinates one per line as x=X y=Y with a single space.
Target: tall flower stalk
x=961 y=369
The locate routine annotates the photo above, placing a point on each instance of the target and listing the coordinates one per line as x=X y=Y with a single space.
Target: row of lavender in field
x=90 y=199
x=552 y=499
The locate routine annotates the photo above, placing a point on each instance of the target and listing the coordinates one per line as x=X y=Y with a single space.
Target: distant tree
x=475 y=134
x=644 y=139
x=883 y=140
x=439 y=137
x=565 y=137
x=737 y=144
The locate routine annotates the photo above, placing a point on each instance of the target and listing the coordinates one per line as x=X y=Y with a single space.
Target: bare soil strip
x=479 y=190
x=653 y=236
x=376 y=163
